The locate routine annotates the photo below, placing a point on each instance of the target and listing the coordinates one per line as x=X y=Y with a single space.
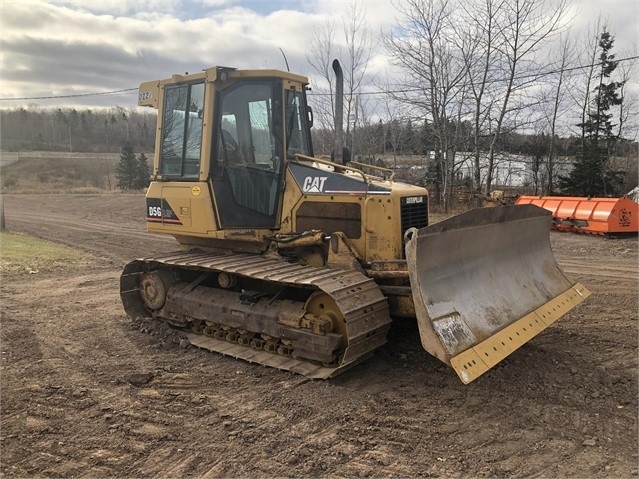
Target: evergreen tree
x=591 y=175
x=128 y=170
x=426 y=139
x=380 y=138
x=143 y=173
x=409 y=139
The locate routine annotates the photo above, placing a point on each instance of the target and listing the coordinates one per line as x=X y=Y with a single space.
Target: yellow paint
x=475 y=361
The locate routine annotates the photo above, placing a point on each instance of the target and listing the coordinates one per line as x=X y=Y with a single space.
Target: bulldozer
x=302 y=263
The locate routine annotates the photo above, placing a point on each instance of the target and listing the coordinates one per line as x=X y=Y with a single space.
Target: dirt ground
x=85 y=393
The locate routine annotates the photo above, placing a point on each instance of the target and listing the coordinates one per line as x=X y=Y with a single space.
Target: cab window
x=297 y=140
x=182 y=130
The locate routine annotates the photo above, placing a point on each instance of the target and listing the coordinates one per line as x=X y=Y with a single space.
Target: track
x=282 y=330
x=581 y=267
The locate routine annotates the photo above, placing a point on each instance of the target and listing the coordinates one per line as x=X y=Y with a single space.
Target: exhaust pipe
x=339 y=112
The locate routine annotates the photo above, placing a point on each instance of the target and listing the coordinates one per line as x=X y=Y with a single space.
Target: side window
x=246 y=135
x=296 y=133
x=260 y=115
x=182 y=130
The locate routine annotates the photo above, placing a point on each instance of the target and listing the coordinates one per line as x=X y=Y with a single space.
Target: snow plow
x=600 y=216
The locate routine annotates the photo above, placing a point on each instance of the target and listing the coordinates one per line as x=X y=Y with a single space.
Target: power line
x=76 y=95
x=521 y=77
x=494 y=80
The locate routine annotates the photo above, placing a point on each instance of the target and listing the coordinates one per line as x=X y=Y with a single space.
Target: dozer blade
x=484 y=283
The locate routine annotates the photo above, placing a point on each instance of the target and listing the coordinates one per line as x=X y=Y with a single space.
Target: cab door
x=247 y=166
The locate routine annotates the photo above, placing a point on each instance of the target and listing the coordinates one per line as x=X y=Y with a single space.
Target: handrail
x=374 y=167
x=331 y=163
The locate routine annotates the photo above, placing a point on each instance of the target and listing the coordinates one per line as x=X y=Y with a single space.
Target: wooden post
x=2 y=225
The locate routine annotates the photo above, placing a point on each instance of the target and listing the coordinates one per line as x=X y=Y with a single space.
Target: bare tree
x=392 y=131
x=582 y=92
x=320 y=57
x=476 y=62
x=566 y=54
x=366 y=138
x=359 y=49
x=524 y=27
x=354 y=52
x=479 y=48
x=435 y=75
x=627 y=127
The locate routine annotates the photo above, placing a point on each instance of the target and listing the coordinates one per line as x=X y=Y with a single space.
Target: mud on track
x=86 y=394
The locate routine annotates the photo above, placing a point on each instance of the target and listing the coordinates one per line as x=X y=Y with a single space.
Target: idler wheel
x=153 y=288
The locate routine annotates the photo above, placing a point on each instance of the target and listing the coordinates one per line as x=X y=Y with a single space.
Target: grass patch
x=22 y=254
x=43 y=174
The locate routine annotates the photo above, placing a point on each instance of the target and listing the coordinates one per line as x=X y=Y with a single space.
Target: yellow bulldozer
x=302 y=263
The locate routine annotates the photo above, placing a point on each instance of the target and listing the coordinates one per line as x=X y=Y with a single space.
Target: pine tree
x=409 y=139
x=128 y=171
x=380 y=138
x=426 y=139
x=591 y=175
x=143 y=173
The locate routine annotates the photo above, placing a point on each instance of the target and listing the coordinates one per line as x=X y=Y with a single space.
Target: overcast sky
x=70 y=47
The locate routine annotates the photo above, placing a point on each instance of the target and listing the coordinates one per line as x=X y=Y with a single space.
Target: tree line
x=369 y=142
x=68 y=129
x=476 y=75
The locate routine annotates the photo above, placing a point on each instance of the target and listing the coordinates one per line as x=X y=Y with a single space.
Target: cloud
x=77 y=46
x=620 y=16
x=63 y=50
x=118 y=8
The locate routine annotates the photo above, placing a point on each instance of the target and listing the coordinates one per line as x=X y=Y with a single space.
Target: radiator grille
x=414 y=210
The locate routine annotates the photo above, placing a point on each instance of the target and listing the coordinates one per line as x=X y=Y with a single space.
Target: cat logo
x=314 y=184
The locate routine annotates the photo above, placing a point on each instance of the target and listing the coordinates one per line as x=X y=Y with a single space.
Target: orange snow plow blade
x=612 y=216
x=484 y=283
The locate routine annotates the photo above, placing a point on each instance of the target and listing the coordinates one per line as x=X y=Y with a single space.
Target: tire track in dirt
x=116 y=236
x=402 y=413
x=601 y=269
x=97 y=396
x=82 y=225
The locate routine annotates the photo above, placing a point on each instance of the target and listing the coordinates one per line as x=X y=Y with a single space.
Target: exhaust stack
x=339 y=112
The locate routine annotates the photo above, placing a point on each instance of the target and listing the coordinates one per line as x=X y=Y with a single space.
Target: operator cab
x=233 y=131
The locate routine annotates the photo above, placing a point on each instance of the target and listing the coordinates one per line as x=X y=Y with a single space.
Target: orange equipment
x=601 y=216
